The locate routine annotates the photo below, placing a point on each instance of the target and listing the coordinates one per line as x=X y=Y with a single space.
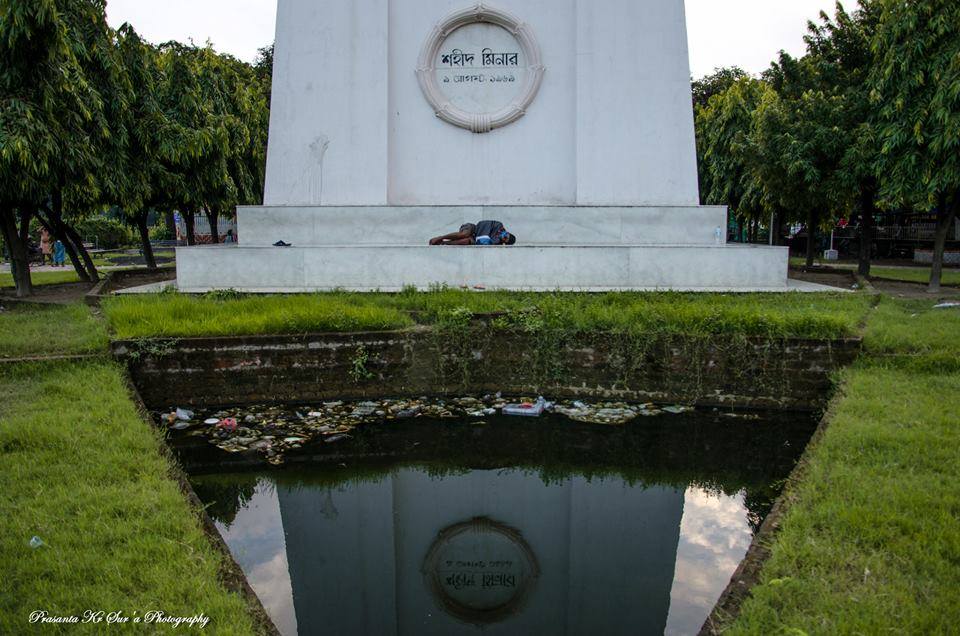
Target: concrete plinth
x=261 y=226
x=535 y=268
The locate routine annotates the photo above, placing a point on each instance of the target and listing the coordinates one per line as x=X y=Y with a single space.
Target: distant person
x=229 y=237
x=59 y=254
x=482 y=233
x=46 y=249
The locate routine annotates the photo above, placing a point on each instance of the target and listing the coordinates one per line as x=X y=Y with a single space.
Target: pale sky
x=747 y=33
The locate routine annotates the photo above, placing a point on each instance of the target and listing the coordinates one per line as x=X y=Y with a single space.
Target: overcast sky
x=748 y=33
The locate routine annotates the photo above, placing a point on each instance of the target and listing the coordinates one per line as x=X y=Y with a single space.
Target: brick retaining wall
x=715 y=371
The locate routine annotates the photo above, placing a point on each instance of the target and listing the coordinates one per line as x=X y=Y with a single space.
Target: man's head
x=506 y=238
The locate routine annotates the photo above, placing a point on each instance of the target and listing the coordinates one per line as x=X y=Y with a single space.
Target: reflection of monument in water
x=396 y=120
x=604 y=553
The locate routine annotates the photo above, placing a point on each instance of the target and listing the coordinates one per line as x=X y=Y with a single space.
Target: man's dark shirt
x=493 y=229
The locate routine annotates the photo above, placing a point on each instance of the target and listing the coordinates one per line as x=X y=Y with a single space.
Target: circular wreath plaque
x=480 y=68
x=480 y=571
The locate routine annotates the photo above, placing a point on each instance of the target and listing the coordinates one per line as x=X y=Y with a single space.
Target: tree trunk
x=945 y=216
x=868 y=208
x=84 y=254
x=71 y=240
x=811 y=235
x=775 y=229
x=57 y=233
x=213 y=216
x=170 y=222
x=145 y=240
x=188 y=223
x=19 y=258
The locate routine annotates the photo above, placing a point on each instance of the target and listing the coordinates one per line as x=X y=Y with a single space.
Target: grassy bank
x=774 y=315
x=172 y=314
x=66 y=275
x=27 y=330
x=80 y=470
x=871 y=541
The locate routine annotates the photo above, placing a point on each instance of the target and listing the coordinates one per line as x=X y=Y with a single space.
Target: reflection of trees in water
x=758 y=502
x=225 y=495
x=720 y=455
x=759 y=493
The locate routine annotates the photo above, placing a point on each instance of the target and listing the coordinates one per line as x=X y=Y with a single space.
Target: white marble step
x=544 y=268
x=533 y=225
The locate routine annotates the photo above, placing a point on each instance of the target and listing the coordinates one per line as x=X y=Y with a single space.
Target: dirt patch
x=903 y=289
x=129 y=260
x=61 y=294
x=842 y=278
x=123 y=279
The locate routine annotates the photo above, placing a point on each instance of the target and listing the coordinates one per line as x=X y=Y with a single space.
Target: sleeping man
x=482 y=233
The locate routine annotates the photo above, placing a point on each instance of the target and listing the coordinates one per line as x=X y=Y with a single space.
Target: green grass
x=871 y=542
x=65 y=275
x=774 y=315
x=82 y=471
x=911 y=334
x=50 y=330
x=179 y=315
x=915 y=274
x=919 y=274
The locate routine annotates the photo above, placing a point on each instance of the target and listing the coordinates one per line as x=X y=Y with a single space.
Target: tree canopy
x=868 y=118
x=92 y=118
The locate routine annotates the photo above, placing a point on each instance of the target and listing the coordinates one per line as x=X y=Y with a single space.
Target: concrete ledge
x=533 y=225
x=543 y=268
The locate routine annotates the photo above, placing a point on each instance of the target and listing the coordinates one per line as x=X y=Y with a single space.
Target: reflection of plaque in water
x=480 y=571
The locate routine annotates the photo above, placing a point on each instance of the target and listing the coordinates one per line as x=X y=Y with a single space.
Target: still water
x=602 y=530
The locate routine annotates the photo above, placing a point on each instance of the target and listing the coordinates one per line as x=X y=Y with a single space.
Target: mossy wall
x=475 y=358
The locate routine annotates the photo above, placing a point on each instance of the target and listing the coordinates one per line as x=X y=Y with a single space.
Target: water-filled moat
x=428 y=517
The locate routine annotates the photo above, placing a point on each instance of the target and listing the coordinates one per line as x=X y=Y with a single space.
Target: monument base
x=559 y=248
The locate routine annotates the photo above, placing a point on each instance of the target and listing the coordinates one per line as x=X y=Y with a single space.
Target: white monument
x=394 y=121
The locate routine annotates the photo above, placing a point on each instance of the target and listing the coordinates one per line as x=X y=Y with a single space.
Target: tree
x=916 y=85
x=51 y=117
x=219 y=116
x=704 y=88
x=795 y=157
x=263 y=69
x=723 y=130
x=840 y=60
x=145 y=167
x=190 y=135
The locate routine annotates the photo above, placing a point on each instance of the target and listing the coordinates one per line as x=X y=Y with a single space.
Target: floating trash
x=271 y=431
x=526 y=409
x=184 y=414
